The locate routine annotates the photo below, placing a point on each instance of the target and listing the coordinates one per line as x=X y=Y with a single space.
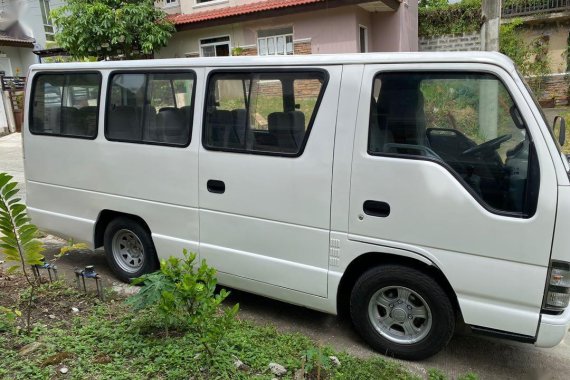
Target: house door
x=265 y=175
x=443 y=166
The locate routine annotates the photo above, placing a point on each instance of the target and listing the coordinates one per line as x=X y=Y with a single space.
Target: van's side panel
x=496 y=264
x=272 y=222
x=70 y=181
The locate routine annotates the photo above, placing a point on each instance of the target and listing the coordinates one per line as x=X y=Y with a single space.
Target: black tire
x=442 y=311
x=149 y=258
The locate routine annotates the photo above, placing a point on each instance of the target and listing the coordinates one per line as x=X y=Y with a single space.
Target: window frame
x=325 y=75
x=148 y=72
x=46 y=19
x=214 y=44
x=363 y=49
x=274 y=37
x=62 y=73
x=445 y=165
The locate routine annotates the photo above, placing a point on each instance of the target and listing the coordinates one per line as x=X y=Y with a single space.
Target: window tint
x=467 y=121
x=65 y=104
x=261 y=112
x=154 y=108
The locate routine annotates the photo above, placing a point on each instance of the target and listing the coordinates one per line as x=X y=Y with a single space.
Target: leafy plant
x=184 y=298
x=111 y=29
x=21 y=248
x=438 y=19
x=436 y=374
x=8 y=318
x=316 y=364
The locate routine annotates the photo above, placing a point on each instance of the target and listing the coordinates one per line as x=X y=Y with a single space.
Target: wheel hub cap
x=400 y=314
x=128 y=251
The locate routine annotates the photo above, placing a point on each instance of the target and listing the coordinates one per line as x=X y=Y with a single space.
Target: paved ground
x=489 y=358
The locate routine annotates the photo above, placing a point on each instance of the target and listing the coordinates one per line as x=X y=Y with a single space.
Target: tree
x=432 y=3
x=111 y=29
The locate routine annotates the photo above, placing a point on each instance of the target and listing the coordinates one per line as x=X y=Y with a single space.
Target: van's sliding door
x=265 y=175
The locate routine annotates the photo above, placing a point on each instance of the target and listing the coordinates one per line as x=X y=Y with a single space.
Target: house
x=282 y=27
x=25 y=27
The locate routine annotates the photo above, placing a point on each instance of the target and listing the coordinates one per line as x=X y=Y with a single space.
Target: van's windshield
x=548 y=124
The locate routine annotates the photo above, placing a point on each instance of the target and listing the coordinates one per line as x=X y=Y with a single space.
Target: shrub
x=184 y=298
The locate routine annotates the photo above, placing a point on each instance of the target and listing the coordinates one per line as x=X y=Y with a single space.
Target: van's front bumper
x=552 y=329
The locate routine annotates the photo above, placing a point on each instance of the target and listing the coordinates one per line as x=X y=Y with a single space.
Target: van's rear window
x=65 y=104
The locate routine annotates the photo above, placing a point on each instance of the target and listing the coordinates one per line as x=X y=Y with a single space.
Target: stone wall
x=451 y=42
x=555 y=90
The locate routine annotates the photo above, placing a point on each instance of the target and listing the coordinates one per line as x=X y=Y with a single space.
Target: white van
x=412 y=190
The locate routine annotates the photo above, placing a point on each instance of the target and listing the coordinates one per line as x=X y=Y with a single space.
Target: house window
x=48 y=26
x=275 y=41
x=215 y=47
x=363 y=39
x=170 y=3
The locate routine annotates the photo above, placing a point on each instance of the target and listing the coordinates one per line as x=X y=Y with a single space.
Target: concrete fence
x=451 y=42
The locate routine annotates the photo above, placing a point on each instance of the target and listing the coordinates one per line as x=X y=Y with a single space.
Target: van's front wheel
x=129 y=249
x=402 y=312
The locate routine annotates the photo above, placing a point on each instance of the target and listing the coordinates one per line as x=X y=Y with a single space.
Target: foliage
x=8 y=318
x=71 y=246
x=183 y=298
x=18 y=243
x=432 y=3
x=316 y=364
x=436 y=374
x=110 y=29
x=237 y=50
x=108 y=345
x=108 y=341
x=458 y=18
x=17 y=237
x=531 y=59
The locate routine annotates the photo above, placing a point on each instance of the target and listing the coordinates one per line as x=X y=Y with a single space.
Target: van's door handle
x=215 y=186
x=376 y=208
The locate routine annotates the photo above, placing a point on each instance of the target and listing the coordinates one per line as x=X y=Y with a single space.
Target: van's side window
x=155 y=108
x=261 y=112
x=467 y=121
x=65 y=104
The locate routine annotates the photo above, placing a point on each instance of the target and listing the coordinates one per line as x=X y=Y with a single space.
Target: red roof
x=238 y=10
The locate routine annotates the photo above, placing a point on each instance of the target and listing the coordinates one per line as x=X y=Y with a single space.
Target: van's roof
x=310 y=59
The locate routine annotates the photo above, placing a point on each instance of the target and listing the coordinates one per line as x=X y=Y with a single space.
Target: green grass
x=107 y=340
x=112 y=343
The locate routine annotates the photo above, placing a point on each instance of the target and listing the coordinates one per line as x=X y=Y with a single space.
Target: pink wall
x=396 y=31
x=330 y=30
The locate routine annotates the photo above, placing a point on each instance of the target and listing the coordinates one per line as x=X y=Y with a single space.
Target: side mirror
x=562 y=133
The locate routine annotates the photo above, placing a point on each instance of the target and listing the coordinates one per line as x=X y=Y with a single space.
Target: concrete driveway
x=489 y=358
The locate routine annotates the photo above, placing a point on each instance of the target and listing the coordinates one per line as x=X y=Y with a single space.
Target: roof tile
x=238 y=10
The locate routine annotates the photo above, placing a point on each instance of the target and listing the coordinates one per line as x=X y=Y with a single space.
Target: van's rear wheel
x=129 y=249
x=402 y=312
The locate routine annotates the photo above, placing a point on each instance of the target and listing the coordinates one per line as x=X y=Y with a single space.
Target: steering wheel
x=488 y=145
